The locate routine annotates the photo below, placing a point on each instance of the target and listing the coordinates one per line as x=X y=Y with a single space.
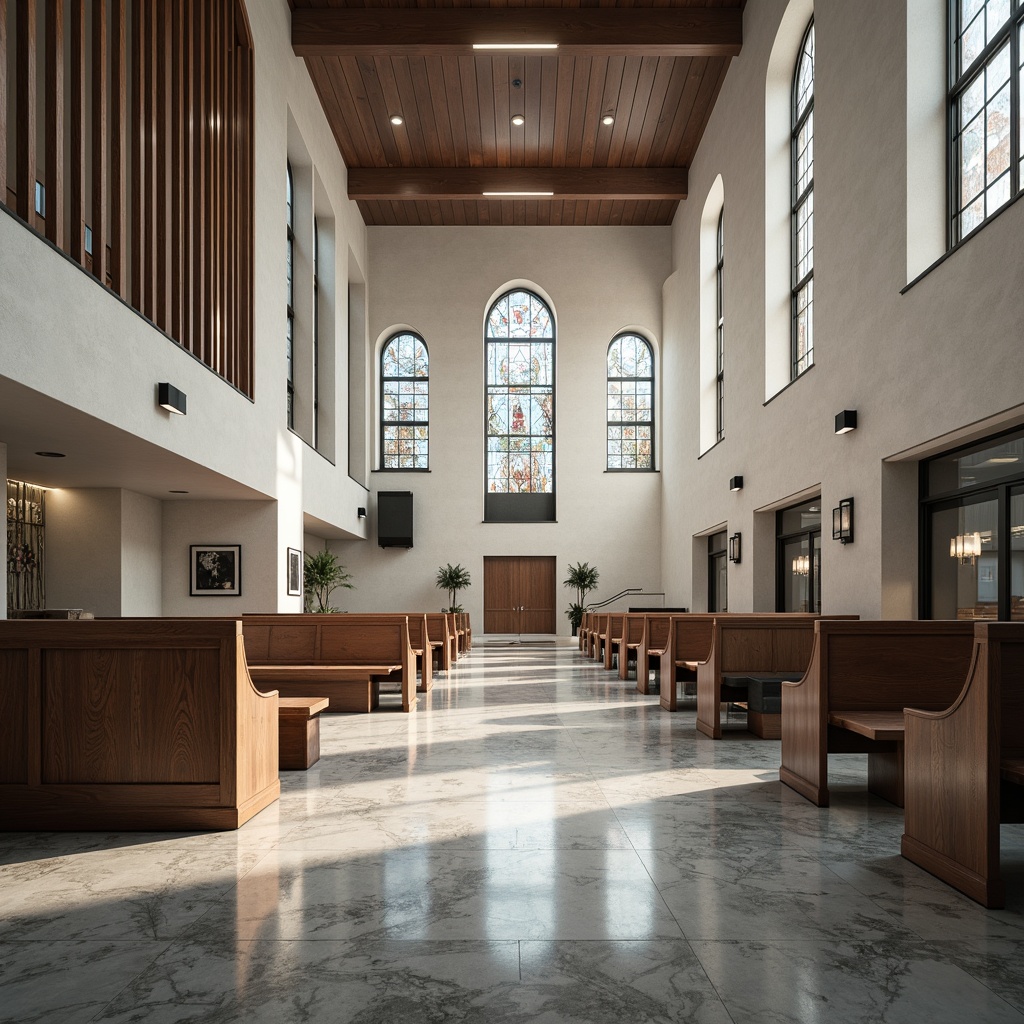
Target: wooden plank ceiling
x=656 y=67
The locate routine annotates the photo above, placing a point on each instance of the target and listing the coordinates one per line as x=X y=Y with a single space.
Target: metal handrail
x=621 y=593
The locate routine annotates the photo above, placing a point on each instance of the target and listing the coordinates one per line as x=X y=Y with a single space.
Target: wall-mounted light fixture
x=966 y=547
x=170 y=398
x=734 y=548
x=361 y=512
x=736 y=483
x=846 y=421
x=842 y=521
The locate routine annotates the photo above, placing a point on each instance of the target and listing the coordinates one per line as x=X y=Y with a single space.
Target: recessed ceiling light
x=177 y=492
x=515 y=46
x=397 y=119
x=52 y=455
x=507 y=194
x=607 y=119
x=518 y=120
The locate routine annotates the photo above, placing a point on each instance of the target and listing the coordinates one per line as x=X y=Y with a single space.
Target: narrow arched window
x=290 y=273
x=316 y=334
x=720 y=330
x=803 y=206
x=987 y=109
x=404 y=403
x=520 y=409
x=630 y=403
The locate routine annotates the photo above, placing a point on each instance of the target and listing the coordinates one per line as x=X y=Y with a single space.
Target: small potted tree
x=323 y=575
x=583 y=579
x=453 y=578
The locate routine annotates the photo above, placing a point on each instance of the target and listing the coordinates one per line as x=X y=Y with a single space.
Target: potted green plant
x=583 y=579
x=323 y=575
x=453 y=578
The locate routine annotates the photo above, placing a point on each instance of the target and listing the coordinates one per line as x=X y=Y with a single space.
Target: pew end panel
x=962 y=775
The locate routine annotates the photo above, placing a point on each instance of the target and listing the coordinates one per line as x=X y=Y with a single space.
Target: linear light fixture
x=515 y=46
x=507 y=194
x=170 y=398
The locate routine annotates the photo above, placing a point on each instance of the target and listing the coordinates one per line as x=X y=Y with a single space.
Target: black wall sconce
x=170 y=398
x=846 y=421
x=736 y=483
x=734 y=548
x=842 y=521
x=361 y=512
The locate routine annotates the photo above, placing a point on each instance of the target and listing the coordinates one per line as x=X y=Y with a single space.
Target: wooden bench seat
x=611 y=637
x=652 y=647
x=850 y=701
x=342 y=657
x=298 y=732
x=965 y=768
x=132 y=724
x=629 y=642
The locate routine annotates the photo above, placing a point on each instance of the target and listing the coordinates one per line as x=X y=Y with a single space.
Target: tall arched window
x=520 y=410
x=630 y=403
x=404 y=403
x=720 y=329
x=988 y=154
x=803 y=206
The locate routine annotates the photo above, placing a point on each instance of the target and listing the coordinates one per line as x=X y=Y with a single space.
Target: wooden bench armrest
x=301 y=707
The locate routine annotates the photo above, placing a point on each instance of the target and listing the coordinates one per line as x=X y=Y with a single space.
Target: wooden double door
x=519 y=594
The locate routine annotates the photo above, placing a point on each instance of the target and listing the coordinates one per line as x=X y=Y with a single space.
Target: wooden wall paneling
x=25 y=105
x=640 y=148
x=186 y=103
x=137 y=144
x=3 y=102
x=118 y=148
x=100 y=141
x=216 y=185
x=209 y=211
x=150 y=194
x=75 y=177
x=14 y=704
x=234 y=136
x=250 y=163
x=54 y=177
x=161 y=153
x=225 y=9
x=197 y=210
x=175 y=31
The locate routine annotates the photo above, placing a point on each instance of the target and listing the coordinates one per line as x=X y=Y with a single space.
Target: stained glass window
x=520 y=412
x=630 y=403
x=720 y=333
x=987 y=109
x=404 y=403
x=803 y=206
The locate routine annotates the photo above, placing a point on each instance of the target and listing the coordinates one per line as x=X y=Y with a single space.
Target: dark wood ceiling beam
x=452 y=31
x=567 y=183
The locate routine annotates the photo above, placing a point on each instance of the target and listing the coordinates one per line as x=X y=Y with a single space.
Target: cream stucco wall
x=916 y=366
x=440 y=282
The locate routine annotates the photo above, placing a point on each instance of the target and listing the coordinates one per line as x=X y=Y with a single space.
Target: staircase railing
x=621 y=593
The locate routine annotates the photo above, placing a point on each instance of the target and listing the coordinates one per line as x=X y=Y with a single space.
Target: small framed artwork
x=216 y=570
x=294 y=572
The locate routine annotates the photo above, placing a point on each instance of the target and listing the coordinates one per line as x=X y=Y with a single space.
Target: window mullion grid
x=385 y=423
x=635 y=422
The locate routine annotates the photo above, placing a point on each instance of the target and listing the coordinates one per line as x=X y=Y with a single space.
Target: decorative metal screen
x=26 y=523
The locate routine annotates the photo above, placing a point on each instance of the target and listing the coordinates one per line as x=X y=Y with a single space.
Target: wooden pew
x=754 y=653
x=419 y=640
x=629 y=642
x=652 y=646
x=467 y=627
x=132 y=724
x=440 y=640
x=298 y=732
x=965 y=769
x=598 y=624
x=850 y=701
x=583 y=632
x=341 y=657
x=687 y=642
x=612 y=637
x=458 y=632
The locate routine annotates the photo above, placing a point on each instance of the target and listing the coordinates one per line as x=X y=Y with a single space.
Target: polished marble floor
x=537 y=843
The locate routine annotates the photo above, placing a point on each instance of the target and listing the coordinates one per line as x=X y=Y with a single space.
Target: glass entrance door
x=965 y=560
x=1017 y=555
x=718 y=573
x=798 y=568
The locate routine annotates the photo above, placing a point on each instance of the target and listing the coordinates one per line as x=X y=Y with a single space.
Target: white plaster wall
x=440 y=281
x=83 y=550
x=141 y=559
x=915 y=366
x=253 y=525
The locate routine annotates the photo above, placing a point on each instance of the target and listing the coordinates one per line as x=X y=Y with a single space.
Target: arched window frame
x=803 y=207
x=720 y=327
x=519 y=490
x=290 y=274
x=414 y=432
x=986 y=70
x=624 y=417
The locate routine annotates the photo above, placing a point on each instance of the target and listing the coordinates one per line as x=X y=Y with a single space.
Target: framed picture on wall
x=294 y=572
x=216 y=570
